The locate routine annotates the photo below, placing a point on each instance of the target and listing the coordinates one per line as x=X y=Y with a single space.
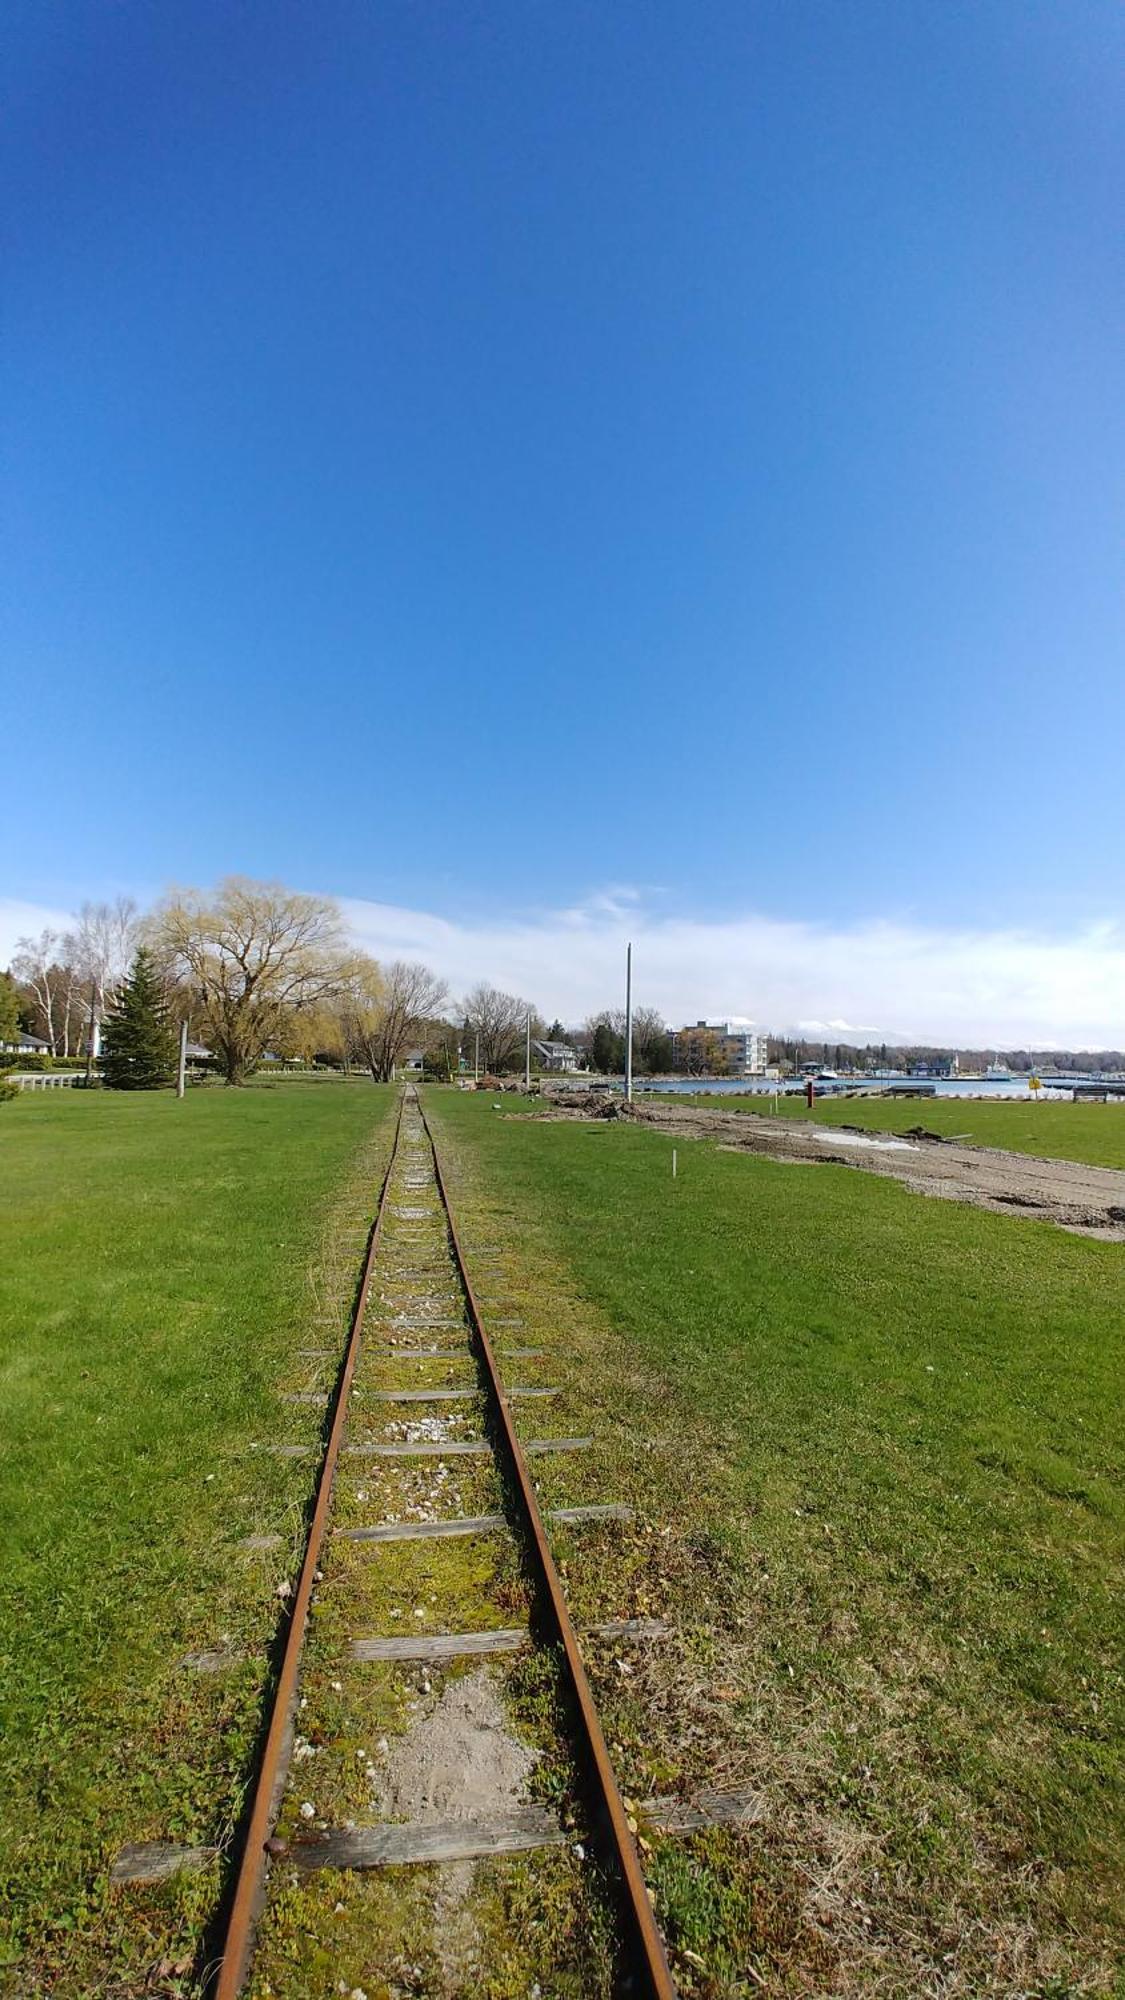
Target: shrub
x=11 y=1059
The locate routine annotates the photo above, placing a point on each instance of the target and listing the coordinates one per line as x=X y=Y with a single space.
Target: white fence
x=44 y=1079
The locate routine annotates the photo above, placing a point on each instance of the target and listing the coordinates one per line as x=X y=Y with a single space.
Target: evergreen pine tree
x=139 y=1046
x=9 y=1008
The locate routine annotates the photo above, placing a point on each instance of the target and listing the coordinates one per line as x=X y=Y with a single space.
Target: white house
x=555 y=1055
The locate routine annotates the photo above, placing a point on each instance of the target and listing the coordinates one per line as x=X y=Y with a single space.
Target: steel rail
x=249 y=1893
x=638 y=1908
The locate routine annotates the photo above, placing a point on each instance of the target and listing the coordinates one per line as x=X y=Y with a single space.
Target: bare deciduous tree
x=500 y=1019
x=69 y=986
x=253 y=952
x=385 y=1009
x=652 y=1041
x=32 y=965
x=53 y=982
x=98 y=954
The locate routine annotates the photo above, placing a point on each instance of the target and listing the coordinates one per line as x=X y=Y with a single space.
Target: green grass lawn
x=160 y=1264
x=878 y=1443
x=1093 y=1133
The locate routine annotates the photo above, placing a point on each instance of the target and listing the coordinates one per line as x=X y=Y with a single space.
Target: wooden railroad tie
x=514 y=1831
x=444 y=1395
x=517 y=1830
x=457 y=1448
x=465 y=1645
x=474 y=1524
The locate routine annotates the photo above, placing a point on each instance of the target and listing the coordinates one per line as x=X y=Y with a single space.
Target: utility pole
x=527 y=1059
x=628 y=1024
x=181 y=1066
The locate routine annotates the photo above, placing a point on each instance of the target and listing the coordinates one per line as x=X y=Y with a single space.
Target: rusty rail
x=653 y=1962
x=650 y=1960
x=250 y=1883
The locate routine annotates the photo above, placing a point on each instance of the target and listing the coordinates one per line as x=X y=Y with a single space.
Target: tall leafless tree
x=500 y=1019
x=387 y=1008
x=652 y=1041
x=32 y=964
x=99 y=951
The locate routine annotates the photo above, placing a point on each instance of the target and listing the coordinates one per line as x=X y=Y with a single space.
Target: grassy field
x=160 y=1265
x=1092 y=1133
x=875 y=1447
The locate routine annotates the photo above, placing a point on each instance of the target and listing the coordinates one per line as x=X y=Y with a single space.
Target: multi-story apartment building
x=731 y=1048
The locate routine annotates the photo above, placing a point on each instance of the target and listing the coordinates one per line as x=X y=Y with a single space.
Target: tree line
x=794 y=1052
x=254 y=970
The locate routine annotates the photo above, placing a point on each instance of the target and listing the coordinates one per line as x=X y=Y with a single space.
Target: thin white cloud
x=984 y=988
x=19 y=919
x=977 y=987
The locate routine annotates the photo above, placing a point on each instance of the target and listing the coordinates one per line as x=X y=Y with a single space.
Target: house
x=25 y=1045
x=555 y=1055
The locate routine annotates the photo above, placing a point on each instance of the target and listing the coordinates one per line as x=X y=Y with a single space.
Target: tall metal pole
x=476 y=1058
x=527 y=1060
x=628 y=1024
x=181 y=1066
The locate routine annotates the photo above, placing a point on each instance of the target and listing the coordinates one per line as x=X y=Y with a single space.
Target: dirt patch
x=458 y=1762
x=1087 y=1200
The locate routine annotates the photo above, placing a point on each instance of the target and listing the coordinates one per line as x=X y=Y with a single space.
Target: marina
x=891 y=1083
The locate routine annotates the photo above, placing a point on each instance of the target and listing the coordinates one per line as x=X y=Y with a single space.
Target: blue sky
x=467 y=457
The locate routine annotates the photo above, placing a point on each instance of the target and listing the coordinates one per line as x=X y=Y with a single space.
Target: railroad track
x=417 y=1317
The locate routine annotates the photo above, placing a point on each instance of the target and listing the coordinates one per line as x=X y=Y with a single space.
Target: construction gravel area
x=1088 y=1200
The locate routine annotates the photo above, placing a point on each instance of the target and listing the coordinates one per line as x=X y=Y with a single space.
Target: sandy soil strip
x=1088 y=1200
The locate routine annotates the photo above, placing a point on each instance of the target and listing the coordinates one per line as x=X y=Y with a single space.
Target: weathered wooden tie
x=465 y=1645
x=514 y=1831
x=458 y=1448
x=474 y=1524
x=423 y=1395
x=158 y=1861
x=439 y=1395
x=422 y=1354
x=416 y=1320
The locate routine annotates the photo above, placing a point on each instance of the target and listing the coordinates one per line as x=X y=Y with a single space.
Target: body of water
x=760 y=1086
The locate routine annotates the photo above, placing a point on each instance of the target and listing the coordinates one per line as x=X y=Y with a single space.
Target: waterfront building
x=726 y=1048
